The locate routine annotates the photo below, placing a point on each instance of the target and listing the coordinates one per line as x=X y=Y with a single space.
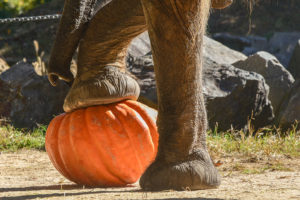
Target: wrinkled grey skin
x=176 y=30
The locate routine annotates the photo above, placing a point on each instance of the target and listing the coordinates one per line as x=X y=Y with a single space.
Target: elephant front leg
x=76 y=14
x=176 y=31
x=101 y=76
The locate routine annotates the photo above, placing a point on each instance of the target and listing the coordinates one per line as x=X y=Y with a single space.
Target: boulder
x=290 y=109
x=140 y=45
x=214 y=50
x=27 y=99
x=282 y=45
x=143 y=68
x=294 y=65
x=277 y=77
x=248 y=45
x=232 y=95
x=219 y=53
x=238 y=43
x=3 y=66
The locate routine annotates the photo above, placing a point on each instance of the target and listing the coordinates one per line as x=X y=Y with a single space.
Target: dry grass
x=249 y=152
x=39 y=65
x=28 y=174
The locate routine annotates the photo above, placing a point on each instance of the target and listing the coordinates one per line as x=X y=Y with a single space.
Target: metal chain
x=30 y=19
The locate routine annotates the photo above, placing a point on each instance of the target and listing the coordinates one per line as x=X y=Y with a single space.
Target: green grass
x=265 y=142
x=12 y=139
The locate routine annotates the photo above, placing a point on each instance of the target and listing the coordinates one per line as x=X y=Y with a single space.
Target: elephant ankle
x=104 y=86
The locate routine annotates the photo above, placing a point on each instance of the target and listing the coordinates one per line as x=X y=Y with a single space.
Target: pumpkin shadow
x=68 y=192
x=48 y=187
x=65 y=188
x=26 y=197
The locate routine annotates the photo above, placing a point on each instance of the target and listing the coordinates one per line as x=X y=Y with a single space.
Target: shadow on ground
x=67 y=192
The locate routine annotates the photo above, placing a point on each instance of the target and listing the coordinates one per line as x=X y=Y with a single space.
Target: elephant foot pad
x=105 y=86
x=189 y=175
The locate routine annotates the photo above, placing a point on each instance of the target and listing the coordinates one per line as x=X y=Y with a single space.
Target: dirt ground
x=29 y=174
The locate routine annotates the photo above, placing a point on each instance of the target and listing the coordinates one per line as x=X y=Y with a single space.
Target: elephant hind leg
x=101 y=76
x=176 y=31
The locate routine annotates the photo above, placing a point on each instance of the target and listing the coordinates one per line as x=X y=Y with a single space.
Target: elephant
x=220 y=4
x=176 y=29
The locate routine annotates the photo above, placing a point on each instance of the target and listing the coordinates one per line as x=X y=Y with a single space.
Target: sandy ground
x=29 y=174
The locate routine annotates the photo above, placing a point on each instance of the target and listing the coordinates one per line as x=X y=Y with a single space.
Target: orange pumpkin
x=107 y=145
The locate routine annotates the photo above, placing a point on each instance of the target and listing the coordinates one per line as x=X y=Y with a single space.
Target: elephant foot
x=196 y=173
x=104 y=86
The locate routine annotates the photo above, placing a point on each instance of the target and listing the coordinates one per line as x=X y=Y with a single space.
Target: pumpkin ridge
x=108 y=132
x=61 y=144
x=83 y=145
x=114 y=109
x=138 y=110
x=125 y=124
x=149 y=121
x=142 y=108
x=51 y=135
x=67 y=148
x=111 y=175
x=108 y=141
x=76 y=141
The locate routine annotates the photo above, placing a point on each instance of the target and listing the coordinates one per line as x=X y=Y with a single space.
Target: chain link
x=30 y=19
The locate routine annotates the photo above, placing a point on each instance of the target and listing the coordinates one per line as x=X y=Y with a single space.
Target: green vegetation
x=276 y=166
x=10 y=8
x=12 y=139
x=264 y=142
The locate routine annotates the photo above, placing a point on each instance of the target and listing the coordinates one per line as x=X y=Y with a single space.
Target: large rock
x=143 y=68
x=3 y=66
x=232 y=95
x=219 y=53
x=290 y=109
x=214 y=50
x=248 y=45
x=294 y=66
x=276 y=76
x=237 y=92
x=282 y=45
x=27 y=99
x=140 y=45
